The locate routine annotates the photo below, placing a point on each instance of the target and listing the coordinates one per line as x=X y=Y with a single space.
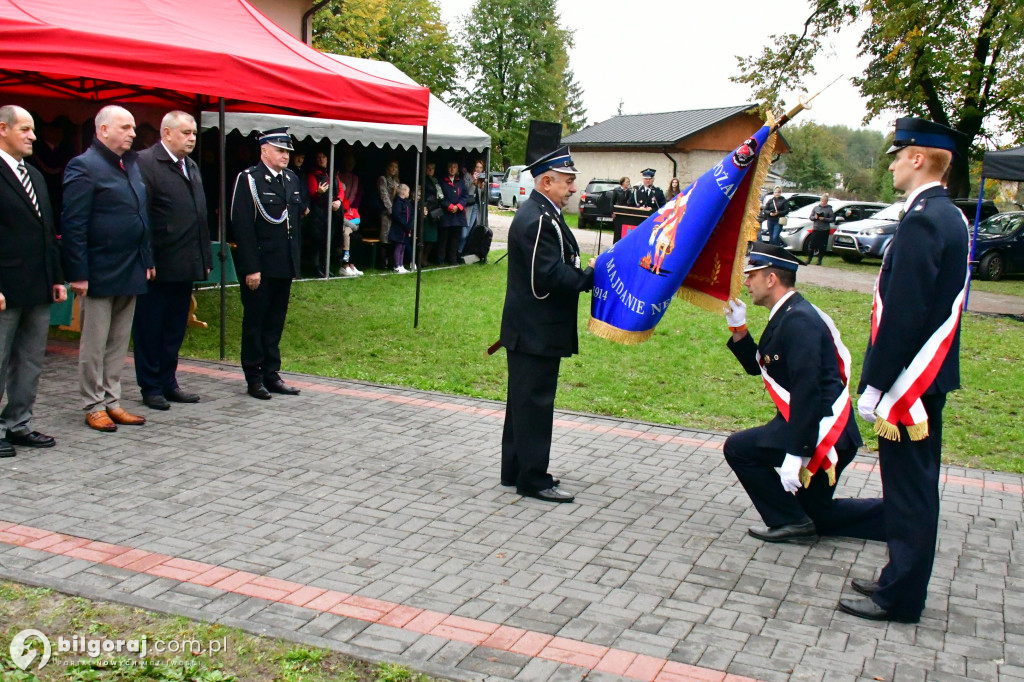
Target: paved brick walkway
x=369 y=519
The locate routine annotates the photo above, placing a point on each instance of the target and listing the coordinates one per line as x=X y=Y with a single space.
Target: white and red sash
x=831 y=426
x=901 y=404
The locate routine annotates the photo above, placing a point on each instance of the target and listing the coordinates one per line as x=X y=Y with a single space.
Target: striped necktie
x=27 y=184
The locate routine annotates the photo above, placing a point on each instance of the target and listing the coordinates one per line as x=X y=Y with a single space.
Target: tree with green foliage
x=957 y=62
x=819 y=153
x=518 y=69
x=407 y=33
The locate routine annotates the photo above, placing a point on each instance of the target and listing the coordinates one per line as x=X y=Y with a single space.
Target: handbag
x=783 y=220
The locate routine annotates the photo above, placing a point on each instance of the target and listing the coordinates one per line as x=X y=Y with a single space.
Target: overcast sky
x=670 y=55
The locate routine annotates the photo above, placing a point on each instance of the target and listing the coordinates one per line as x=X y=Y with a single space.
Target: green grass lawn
x=363 y=329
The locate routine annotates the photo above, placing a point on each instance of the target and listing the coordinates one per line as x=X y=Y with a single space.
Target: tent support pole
x=222 y=219
x=417 y=235
x=330 y=209
x=974 y=240
x=486 y=208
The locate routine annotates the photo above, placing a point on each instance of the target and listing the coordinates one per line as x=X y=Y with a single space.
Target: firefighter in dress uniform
x=911 y=363
x=789 y=466
x=647 y=195
x=266 y=208
x=539 y=323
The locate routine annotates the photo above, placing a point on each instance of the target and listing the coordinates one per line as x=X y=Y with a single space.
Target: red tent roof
x=168 y=52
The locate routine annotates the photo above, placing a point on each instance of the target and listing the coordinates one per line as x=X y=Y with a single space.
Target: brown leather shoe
x=100 y=421
x=119 y=416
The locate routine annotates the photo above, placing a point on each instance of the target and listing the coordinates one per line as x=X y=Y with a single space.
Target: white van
x=515 y=187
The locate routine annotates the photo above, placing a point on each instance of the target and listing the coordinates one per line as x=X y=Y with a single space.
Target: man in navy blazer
x=181 y=250
x=108 y=260
x=30 y=278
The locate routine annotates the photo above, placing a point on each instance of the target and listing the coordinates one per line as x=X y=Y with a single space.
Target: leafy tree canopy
x=957 y=62
x=407 y=33
x=518 y=69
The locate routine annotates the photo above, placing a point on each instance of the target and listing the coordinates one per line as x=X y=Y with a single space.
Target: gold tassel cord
x=887 y=430
x=831 y=471
x=805 y=477
x=918 y=431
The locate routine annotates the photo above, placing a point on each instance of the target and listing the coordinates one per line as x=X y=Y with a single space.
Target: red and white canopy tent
x=73 y=57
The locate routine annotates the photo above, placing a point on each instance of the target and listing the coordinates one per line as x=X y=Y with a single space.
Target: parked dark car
x=1000 y=247
x=494 y=187
x=870 y=238
x=596 y=202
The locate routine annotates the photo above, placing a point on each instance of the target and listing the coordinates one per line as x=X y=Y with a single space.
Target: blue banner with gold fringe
x=635 y=280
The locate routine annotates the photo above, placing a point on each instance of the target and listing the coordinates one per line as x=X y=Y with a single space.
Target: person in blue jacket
x=107 y=259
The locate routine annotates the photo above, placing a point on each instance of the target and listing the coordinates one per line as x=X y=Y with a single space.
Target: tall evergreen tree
x=518 y=69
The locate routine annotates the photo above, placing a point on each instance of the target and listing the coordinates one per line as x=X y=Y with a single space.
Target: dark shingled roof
x=656 y=130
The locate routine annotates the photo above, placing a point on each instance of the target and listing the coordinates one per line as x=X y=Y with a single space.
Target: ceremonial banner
x=694 y=245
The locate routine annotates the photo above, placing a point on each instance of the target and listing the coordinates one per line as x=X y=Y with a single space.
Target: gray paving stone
x=400 y=502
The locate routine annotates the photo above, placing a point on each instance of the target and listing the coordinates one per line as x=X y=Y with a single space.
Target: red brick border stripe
x=470 y=630
x=950 y=479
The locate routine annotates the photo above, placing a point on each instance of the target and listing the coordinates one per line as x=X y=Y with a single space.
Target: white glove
x=789 y=473
x=736 y=315
x=868 y=401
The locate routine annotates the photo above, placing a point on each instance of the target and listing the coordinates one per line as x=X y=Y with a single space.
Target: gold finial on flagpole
x=802 y=103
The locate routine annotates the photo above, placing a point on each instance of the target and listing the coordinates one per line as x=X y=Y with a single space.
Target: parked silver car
x=798 y=228
x=870 y=238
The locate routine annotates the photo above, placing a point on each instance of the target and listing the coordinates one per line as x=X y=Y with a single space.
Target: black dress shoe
x=512 y=484
x=281 y=387
x=552 y=494
x=867 y=608
x=865 y=587
x=156 y=401
x=799 y=533
x=6 y=449
x=258 y=390
x=31 y=440
x=176 y=395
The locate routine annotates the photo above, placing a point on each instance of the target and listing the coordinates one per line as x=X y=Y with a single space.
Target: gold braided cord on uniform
x=749 y=230
x=805 y=476
x=890 y=431
x=625 y=337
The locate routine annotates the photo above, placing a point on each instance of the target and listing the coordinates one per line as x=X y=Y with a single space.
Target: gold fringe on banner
x=805 y=476
x=606 y=331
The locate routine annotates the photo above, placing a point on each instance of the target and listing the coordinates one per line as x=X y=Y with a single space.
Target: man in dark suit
x=181 y=250
x=912 y=362
x=30 y=278
x=647 y=195
x=107 y=258
x=538 y=323
x=266 y=208
x=789 y=466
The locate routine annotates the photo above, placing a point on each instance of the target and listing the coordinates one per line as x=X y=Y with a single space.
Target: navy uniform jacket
x=264 y=247
x=454 y=193
x=799 y=354
x=922 y=273
x=177 y=217
x=644 y=196
x=544 y=284
x=29 y=256
x=104 y=223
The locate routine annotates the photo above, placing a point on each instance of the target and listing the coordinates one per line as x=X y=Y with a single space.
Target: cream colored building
x=285 y=13
x=681 y=144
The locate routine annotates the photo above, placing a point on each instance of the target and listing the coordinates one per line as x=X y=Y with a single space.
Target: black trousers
x=819 y=243
x=448 y=244
x=754 y=466
x=161 y=316
x=910 y=498
x=263 y=318
x=529 y=415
